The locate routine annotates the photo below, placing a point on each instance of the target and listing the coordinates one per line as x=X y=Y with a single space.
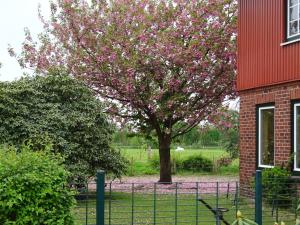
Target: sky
x=15 y=15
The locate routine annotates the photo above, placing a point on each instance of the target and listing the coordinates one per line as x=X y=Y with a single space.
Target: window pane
x=294 y=28
x=294 y=13
x=293 y=2
x=267 y=137
x=297 y=141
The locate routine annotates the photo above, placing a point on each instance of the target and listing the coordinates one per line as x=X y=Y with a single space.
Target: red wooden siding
x=261 y=59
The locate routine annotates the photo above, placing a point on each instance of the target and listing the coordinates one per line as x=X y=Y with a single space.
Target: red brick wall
x=281 y=95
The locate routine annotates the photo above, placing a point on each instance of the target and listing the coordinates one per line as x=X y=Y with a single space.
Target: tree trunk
x=165 y=159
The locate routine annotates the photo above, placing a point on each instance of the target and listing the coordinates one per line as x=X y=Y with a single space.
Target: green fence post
x=258 y=197
x=132 y=204
x=87 y=204
x=176 y=203
x=236 y=197
x=100 y=197
x=218 y=222
x=109 y=206
x=197 y=203
x=154 y=205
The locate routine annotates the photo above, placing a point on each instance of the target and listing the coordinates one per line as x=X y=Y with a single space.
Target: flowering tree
x=163 y=65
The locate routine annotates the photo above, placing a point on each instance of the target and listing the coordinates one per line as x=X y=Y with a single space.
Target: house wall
x=261 y=59
x=281 y=95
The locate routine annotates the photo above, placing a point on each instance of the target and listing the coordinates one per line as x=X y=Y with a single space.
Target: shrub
x=60 y=110
x=176 y=163
x=231 y=142
x=240 y=220
x=33 y=189
x=154 y=161
x=224 y=161
x=197 y=163
x=277 y=186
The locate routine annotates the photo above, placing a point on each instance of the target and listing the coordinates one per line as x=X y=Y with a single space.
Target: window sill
x=265 y=167
x=289 y=42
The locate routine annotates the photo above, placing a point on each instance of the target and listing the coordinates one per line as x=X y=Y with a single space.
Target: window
x=293 y=19
x=297 y=137
x=266 y=136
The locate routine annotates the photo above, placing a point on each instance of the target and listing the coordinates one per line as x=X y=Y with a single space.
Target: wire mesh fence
x=200 y=203
x=280 y=199
x=85 y=210
x=176 y=203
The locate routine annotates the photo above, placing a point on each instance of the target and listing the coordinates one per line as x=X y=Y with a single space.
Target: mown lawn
x=125 y=208
x=167 y=209
x=140 y=161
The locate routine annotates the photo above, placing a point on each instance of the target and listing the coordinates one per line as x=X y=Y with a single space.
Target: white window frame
x=260 y=109
x=288 y=20
x=295 y=136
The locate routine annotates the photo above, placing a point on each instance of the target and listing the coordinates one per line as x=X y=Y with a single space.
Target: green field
x=140 y=161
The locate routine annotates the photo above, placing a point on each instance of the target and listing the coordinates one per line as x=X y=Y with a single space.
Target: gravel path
x=181 y=184
x=182 y=179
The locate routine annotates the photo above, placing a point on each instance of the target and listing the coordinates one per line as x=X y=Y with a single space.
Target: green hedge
x=33 y=189
x=278 y=188
x=195 y=163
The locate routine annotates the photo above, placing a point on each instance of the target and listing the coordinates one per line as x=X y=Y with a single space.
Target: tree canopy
x=163 y=65
x=61 y=111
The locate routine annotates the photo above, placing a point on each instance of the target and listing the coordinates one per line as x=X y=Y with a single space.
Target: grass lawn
x=140 y=165
x=167 y=209
x=125 y=208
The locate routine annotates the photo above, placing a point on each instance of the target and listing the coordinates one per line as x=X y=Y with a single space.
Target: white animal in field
x=179 y=149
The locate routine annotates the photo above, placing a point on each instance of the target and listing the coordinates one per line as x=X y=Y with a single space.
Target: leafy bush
x=62 y=111
x=231 y=142
x=33 y=189
x=277 y=186
x=176 y=163
x=240 y=220
x=224 y=161
x=297 y=218
x=197 y=163
x=154 y=161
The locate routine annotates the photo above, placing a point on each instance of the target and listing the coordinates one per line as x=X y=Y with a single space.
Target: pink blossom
x=160 y=65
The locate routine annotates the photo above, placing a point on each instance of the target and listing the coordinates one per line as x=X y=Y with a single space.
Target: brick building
x=269 y=85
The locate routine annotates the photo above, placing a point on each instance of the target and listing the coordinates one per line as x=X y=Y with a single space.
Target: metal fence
x=85 y=211
x=200 y=203
x=276 y=200
x=176 y=203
